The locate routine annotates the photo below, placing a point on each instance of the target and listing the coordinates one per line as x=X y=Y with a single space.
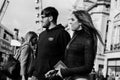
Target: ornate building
x=100 y=14
x=113 y=40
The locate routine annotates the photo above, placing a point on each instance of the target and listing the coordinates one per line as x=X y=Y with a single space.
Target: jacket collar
x=59 y=26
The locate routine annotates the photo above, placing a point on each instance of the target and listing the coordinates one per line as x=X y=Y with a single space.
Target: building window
x=4 y=36
x=7 y=36
x=116 y=38
x=113 y=67
x=100 y=66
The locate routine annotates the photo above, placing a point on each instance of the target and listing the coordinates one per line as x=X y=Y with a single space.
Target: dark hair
x=50 y=11
x=87 y=24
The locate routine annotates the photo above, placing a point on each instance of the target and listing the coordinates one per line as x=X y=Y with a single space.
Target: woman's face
x=34 y=41
x=73 y=21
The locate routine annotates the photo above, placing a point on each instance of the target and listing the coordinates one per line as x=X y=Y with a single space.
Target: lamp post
x=16 y=33
x=16 y=37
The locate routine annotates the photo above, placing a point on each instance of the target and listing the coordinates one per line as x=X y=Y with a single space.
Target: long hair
x=30 y=35
x=87 y=23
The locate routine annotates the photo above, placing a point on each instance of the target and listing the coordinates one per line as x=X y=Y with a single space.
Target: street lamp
x=16 y=33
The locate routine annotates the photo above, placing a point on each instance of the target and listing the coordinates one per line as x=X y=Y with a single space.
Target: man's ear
x=50 y=18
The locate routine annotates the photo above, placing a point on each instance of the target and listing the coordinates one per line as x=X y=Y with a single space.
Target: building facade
x=100 y=15
x=112 y=52
x=5 y=39
x=5 y=34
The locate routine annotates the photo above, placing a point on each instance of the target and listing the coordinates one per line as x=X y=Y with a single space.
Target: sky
x=21 y=14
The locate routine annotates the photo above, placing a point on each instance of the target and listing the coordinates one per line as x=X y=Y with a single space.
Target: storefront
x=6 y=47
x=112 y=63
x=113 y=67
x=113 y=58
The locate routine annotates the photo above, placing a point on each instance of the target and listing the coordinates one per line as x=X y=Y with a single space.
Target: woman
x=27 y=54
x=81 y=50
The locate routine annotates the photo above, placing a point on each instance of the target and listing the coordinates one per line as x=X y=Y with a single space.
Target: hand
x=34 y=78
x=51 y=73
x=59 y=72
x=23 y=77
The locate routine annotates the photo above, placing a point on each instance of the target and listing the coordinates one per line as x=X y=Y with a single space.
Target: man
x=51 y=44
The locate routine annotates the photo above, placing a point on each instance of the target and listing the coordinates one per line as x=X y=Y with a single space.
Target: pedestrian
x=111 y=76
x=27 y=54
x=93 y=74
x=81 y=50
x=2 y=58
x=100 y=75
x=51 y=44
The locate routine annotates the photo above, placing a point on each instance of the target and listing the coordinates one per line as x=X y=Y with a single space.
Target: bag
x=31 y=57
x=11 y=67
x=17 y=54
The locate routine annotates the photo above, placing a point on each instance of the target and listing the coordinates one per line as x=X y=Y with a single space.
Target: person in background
x=2 y=60
x=100 y=75
x=111 y=76
x=51 y=44
x=93 y=74
x=81 y=50
x=27 y=54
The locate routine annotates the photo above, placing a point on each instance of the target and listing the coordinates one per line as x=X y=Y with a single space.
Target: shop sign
x=5 y=46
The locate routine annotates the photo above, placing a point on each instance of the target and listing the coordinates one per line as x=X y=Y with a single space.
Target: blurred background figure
x=93 y=74
x=27 y=55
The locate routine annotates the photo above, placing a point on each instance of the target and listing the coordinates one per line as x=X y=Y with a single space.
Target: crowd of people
x=39 y=54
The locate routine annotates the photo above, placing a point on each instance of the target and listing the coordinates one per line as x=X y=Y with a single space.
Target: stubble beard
x=47 y=25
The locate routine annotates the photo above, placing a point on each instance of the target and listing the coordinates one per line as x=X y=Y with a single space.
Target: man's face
x=45 y=21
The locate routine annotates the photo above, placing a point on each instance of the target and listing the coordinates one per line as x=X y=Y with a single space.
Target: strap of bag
x=17 y=55
x=18 y=52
